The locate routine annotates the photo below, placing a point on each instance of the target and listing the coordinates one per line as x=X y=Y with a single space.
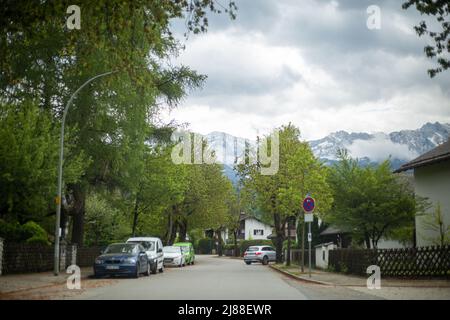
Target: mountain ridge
x=370 y=148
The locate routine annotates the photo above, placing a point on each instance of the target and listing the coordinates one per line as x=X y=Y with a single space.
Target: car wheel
x=193 y=261
x=155 y=268
x=136 y=275
x=248 y=262
x=265 y=260
x=148 y=271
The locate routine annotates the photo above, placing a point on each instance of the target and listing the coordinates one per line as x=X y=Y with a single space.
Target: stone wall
x=19 y=258
x=23 y=258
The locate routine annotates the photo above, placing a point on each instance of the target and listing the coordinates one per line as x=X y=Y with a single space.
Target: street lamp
x=60 y=170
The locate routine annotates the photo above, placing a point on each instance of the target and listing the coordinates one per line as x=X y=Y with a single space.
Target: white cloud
x=380 y=148
x=315 y=64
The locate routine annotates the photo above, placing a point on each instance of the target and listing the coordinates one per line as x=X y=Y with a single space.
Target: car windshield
x=253 y=249
x=172 y=249
x=121 y=248
x=184 y=249
x=148 y=245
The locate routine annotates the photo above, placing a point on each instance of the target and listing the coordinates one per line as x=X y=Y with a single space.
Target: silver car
x=263 y=254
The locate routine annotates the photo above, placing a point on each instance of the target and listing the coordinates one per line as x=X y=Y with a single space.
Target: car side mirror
x=142 y=252
x=159 y=250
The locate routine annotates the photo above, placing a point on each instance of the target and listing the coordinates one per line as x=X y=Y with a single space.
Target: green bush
x=38 y=240
x=11 y=231
x=248 y=243
x=229 y=246
x=294 y=245
x=30 y=232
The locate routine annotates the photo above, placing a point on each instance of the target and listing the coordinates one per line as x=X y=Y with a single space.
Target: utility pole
x=60 y=172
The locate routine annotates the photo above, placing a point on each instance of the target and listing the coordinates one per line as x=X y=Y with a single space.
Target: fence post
x=62 y=256
x=1 y=255
x=74 y=254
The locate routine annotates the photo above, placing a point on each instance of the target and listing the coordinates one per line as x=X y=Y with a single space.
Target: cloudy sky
x=313 y=63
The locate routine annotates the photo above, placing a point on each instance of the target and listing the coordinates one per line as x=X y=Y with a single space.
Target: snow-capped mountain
x=399 y=146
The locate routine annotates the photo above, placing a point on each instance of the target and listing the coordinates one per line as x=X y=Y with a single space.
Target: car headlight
x=98 y=261
x=130 y=260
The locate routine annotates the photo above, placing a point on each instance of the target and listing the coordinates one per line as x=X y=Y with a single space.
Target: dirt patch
x=56 y=291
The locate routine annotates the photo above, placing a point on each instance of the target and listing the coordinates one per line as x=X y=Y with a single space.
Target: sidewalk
x=339 y=279
x=18 y=285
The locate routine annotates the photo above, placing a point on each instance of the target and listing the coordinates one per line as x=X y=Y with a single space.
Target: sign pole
x=309 y=247
x=308 y=207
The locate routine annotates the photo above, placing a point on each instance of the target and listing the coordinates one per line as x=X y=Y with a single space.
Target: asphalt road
x=216 y=278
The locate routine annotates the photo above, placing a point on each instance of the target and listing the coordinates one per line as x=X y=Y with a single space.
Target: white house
x=431 y=180
x=252 y=228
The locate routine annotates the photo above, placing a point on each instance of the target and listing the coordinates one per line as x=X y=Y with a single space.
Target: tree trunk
x=235 y=235
x=182 y=230
x=79 y=195
x=367 y=240
x=135 y=216
x=169 y=226
x=219 y=245
x=173 y=233
x=278 y=237
x=303 y=244
x=288 y=254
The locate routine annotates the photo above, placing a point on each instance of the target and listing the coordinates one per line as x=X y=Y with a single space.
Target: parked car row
x=142 y=255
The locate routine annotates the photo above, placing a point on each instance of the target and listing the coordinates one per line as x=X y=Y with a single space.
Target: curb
x=302 y=278
x=306 y=279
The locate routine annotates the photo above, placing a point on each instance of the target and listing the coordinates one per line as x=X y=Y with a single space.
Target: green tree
x=370 y=201
x=440 y=46
x=43 y=60
x=279 y=195
x=28 y=161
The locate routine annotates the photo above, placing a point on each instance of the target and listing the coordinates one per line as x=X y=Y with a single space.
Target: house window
x=258 y=232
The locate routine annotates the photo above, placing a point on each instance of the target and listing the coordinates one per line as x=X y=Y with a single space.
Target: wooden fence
x=405 y=262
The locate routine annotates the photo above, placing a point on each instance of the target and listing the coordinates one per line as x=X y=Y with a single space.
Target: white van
x=154 y=249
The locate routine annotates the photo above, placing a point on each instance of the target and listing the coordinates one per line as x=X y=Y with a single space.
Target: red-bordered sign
x=308 y=204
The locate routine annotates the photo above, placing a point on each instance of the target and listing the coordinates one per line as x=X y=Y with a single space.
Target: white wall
x=252 y=224
x=391 y=244
x=432 y=181
x=322 y=262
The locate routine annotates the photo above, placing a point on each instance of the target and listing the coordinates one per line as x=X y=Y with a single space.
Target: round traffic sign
x=308 y=204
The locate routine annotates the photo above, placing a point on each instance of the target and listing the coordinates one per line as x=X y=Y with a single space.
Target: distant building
x=253 y=228
x=431 y=180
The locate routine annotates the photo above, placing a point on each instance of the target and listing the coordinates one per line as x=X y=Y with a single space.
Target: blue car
x=122 y=259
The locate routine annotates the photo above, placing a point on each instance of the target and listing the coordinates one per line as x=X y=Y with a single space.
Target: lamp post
x=60 y=171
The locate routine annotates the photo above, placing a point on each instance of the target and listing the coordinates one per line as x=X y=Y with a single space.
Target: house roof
x=332 y=230
x=438 y=154
x=323 y=244
x=246 y=216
